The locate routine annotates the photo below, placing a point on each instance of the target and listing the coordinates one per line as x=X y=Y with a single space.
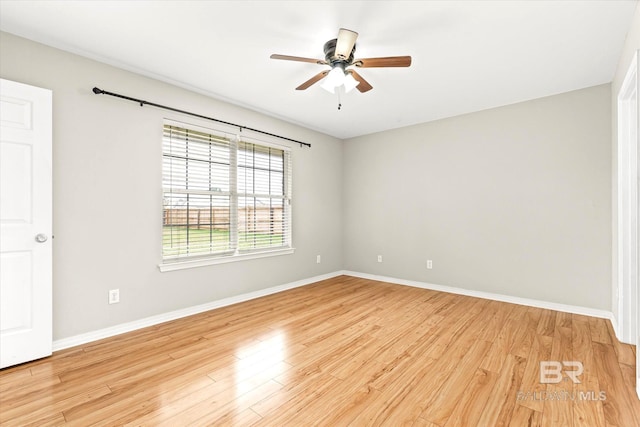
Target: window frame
x=178 y=262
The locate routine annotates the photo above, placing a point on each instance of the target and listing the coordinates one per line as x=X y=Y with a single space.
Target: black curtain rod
x=153 y=104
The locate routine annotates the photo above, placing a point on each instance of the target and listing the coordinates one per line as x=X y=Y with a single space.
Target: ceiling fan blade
x=363 y=85
x=298 y=58
x=313 y=80
x=389 y=61
x=345 y=43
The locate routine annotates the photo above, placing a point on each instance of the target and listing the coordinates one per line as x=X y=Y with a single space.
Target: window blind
x=263 y=202
x=223 y=196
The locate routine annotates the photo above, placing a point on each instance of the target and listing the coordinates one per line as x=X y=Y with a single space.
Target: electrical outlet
x=379 y=258
x=429 y=264
x=114 y=296
x=318 y=259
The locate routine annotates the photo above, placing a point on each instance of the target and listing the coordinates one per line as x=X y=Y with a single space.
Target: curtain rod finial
x=97 y=91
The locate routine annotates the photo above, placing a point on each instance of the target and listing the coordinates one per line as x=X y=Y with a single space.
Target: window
x=224 y=197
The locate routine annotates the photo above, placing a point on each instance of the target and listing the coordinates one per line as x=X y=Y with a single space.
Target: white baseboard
x=88 y=337
x=614 y=323
x=586 y=311
x=173 y=315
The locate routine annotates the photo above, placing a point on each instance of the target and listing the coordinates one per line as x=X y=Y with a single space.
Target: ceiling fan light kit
x=338 y=77
x=349 y=82
x=339 y=55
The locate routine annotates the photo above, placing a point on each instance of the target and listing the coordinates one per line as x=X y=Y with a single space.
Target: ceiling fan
x=339 y=55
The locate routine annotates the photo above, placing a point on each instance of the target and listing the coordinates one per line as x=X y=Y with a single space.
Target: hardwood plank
x=349 y=406
x=34 y=412
x=599 y=330
x=628 y=375
x=137 y=407
x=17 y=373
x=388 y=347
x=421 y=422
x=214 y=396
x=338 y=405
x=469 y=408
x=388 y=407
x=531 y=388
x=244 y=418
x=343 y=351
x=51 y=419
x=547 y=323
x=58 y=363
x=432 y=346
x=535 y=313
x=295 y=399
x=501 y=346
x=502 y=400
x=327 y=357
x=618 y=409
x=558 y=410
x=410 y=392
x=17 y=392
x=563 y=320
x=624 y=352
x=493 y=318
x=440 y=407
x=587 y=407
x=526 y=334
x=214 y=411
x=523 y=416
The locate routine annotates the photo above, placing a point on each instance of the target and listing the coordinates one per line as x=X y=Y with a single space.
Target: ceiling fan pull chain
x=339 y=102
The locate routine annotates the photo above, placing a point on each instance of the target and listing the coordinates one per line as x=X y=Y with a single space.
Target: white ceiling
x=467 y=55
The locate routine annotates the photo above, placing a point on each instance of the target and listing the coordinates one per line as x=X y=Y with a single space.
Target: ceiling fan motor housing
x=330 y=54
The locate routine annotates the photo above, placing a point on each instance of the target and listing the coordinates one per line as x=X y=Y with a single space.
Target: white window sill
x=181 y=264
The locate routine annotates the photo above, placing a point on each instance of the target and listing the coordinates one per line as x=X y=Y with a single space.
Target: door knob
x=41 y=238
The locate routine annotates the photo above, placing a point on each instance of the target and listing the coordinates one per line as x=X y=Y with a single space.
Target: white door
x=25 y=223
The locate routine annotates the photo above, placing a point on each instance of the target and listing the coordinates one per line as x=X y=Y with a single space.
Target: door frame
x=626 y=287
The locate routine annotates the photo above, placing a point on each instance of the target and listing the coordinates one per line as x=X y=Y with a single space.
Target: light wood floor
x=345 y=351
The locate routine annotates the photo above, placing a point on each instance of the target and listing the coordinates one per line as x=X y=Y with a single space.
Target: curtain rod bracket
x=99 y=91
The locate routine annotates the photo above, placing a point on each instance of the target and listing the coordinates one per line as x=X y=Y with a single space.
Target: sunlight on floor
x=259 y=362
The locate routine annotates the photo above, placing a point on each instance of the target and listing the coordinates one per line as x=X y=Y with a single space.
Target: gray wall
x=108 y=201
x=632 y=44
x=515 y=200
